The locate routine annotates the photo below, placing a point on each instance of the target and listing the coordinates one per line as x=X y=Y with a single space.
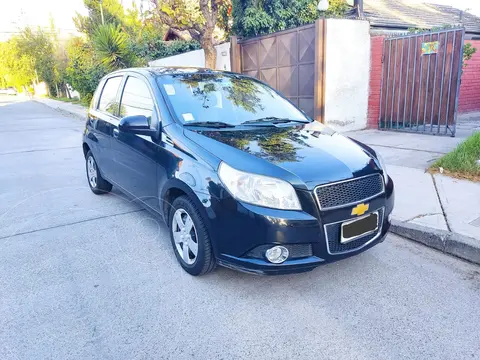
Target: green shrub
x=254 y=17
x=150 y=47
x=83 y=71
x=111 y=46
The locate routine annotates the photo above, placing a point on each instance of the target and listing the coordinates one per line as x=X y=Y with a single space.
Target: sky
x=17 y=14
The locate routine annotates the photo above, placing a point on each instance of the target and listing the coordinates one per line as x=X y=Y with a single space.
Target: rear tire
x=97 y=183
x=190 y=239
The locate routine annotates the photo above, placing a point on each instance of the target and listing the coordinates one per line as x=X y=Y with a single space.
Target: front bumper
x=243 y=227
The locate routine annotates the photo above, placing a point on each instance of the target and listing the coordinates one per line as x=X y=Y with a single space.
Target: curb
x=464 y=247
x=78 y=115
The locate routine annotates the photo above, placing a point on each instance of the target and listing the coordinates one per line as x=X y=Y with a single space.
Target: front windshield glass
x=225 y=98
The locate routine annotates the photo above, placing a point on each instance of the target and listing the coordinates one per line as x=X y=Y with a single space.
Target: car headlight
x=384 y=167
x=258 y=189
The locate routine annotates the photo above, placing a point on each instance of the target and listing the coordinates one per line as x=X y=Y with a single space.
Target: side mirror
x=136 y=124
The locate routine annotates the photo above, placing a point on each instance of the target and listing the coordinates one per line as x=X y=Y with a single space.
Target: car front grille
x=349 y=192
x=333 y=234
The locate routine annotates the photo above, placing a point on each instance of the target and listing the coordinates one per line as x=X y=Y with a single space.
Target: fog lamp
x=277 y=254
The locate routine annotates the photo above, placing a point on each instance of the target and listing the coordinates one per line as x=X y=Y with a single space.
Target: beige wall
x=347 y=74
x=196 y=58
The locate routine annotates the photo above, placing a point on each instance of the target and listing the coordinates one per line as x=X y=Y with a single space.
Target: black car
x=241 y=176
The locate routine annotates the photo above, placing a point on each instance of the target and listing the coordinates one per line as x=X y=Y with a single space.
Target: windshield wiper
x=271 y=120
x=212 y=124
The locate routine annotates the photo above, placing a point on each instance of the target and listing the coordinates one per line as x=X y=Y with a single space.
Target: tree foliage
x=111 y=46
x=83 y=71
x=153 y=47
x=41 y=48
x=16 y=69
x=29 y=57
x=126 y=39
x=257 y=17
x=198 y=17
x=113 y=13
x=468 y=51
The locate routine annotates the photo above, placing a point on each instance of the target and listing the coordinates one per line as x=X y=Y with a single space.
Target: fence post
x=235 y=58
x=319 y=83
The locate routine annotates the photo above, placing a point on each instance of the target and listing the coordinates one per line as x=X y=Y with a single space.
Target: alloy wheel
x=185 y=236
x=92 y=172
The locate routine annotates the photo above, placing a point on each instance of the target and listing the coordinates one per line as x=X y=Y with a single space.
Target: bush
x=111 y=46
x=83 y=71
x=152 y=47
x=252 y=18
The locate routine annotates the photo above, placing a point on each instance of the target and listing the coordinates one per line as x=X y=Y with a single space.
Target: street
x=95 y=277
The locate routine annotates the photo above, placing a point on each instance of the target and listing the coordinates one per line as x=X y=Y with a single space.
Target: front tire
x=97 y=183
x=189 y=237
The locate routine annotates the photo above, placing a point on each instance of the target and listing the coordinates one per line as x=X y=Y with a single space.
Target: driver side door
x=135 y=155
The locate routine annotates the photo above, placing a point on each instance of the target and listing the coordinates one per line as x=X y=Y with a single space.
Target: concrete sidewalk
x=67 y=108
x=434 y=209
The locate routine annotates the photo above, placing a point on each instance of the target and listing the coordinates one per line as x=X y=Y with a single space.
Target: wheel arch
x=175 y=188
x=86 y=149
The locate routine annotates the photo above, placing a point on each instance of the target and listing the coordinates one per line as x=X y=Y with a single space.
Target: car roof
x=171 y=70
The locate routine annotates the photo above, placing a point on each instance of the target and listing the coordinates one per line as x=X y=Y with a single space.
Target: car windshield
x=226 y=99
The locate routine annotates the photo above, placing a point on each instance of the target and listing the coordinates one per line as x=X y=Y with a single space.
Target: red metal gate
x=421 y=81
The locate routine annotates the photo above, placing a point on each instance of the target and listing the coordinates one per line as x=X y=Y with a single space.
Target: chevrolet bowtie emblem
x=360 y=209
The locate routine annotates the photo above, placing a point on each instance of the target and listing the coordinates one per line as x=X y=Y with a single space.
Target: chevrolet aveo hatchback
x=241 y=177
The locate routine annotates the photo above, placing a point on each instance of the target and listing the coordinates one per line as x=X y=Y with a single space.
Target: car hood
x=305 y=155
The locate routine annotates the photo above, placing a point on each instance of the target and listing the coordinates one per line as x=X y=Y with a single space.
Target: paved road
x=94 y=277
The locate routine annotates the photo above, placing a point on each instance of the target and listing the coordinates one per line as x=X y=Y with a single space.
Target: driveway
x=95 y=277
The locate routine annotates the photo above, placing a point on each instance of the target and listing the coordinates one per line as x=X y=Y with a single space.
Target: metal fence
x=291 y=61
x=421 y=81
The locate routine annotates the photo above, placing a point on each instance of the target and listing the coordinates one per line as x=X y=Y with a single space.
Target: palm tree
x=111 y=45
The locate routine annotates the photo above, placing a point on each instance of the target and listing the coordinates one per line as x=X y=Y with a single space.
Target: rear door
x=135 y=155
x=104 y=116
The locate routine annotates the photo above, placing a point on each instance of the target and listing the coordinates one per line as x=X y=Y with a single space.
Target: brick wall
x=376 y=43
x=469 y=99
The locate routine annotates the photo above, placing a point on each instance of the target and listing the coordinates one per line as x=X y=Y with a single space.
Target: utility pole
x=101 y=12
x=359 y=5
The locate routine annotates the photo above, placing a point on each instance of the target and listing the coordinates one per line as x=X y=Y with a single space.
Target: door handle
x=115 y=133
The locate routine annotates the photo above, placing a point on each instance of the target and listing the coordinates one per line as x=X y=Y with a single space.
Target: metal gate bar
x=421 y=97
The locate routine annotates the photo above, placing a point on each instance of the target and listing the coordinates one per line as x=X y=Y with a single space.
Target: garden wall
x=375 y=83
x=347 y=72
x=469 y=99
x=196 y=58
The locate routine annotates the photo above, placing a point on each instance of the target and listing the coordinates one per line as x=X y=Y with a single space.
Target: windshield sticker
x=169 y=89
x=188 y=117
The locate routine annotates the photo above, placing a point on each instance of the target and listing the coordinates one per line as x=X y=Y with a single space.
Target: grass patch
x=85 y=101
x=462 y=162
x=65 y=99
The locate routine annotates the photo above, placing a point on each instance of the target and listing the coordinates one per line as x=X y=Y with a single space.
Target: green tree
x=111 y=45
x=113 y=13
x=39 y=46
x=198 y=17
x=257 y=17
x=16 y=69
x=84 y=70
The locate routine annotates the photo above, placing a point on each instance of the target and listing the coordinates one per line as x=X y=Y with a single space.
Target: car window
x=136 y=99
x=108 y=98
x=232 y=99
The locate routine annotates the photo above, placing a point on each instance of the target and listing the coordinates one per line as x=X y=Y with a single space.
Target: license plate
x=354 y=229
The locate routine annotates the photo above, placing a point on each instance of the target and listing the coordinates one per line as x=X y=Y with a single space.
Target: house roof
x=172 y=34
x=414 y=13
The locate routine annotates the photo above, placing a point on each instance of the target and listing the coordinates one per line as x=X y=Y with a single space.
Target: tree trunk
x=67 y=92
x=210 y=51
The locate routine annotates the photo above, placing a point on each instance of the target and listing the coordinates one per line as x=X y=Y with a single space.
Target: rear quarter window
x=108 y=98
